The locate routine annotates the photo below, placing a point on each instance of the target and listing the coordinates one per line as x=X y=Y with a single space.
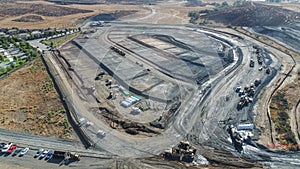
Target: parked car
x=49 y=155
x=16 y=152
x=2 y=145
x=24 y=151
x=12 y=148
x=101 y=133
x=6 y=147
x=38 y=153
x=45 y=152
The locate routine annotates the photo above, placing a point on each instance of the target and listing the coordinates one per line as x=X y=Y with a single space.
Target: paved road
x=35 y=142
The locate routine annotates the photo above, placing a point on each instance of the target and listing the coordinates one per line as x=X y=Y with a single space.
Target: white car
x=6 y=147
x=24 y=151
x=135 y=110
x=44 y=154
x=101 y=133
x=39 y=153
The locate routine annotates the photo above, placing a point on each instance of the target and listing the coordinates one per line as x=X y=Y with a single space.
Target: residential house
x=19 y=54
x=2 y=34
x=23 y=35
x=12 y=32
x=23 y=30
x=24 y=57
x=36 y=33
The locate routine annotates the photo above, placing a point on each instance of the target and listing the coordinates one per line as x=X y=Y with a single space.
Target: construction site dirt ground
x=30 y=103
x=261 y=119
x=109 y=110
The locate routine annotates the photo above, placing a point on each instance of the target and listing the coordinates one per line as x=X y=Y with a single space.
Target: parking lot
x=26 y=161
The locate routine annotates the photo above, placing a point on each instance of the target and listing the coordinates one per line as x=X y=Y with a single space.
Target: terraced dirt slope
x=253 y=14
x=289 y=34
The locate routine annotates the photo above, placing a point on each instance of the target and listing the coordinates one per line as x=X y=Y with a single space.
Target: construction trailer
x=59 y=154
x=245 y=127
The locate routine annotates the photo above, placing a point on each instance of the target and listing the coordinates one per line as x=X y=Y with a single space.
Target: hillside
x=249 y=14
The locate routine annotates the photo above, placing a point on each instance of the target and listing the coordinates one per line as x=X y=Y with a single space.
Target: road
x=35 y=142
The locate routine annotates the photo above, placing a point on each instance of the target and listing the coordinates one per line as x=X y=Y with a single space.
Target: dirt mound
x=252 y=14
x=132 y=128
x=29 y=18
x=113 y=15
x=16 y=9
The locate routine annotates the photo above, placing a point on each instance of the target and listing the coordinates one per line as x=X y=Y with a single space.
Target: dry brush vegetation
x=246 y=14
x=30 y=103
x=281 y=108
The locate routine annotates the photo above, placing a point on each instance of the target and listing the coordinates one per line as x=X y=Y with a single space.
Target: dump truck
x=259 y=58
x=238 y=89
x=246 y=88
x=260 y=61
x=251 y=63
x=251 y=92
x=268 y=71
x=257 y=82
x=243 y=102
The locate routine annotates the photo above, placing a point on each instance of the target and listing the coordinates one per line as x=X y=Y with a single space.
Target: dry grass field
x=30 y=103
x=50 y=14
x=53 y=15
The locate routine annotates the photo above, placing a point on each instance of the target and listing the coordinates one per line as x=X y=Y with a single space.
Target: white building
x=245 y=127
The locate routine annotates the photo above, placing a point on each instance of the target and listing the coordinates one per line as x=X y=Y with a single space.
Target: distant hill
x=105 y=1
x=251 y=14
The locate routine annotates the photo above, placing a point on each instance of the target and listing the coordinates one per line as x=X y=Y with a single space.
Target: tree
x=194 y=2
x=11 y=67
x=237 y=3
x=63 y=2
x=51 y=44
x=224 y=4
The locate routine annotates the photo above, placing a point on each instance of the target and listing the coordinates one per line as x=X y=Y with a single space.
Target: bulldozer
x=182 y=152
x=73 y=156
